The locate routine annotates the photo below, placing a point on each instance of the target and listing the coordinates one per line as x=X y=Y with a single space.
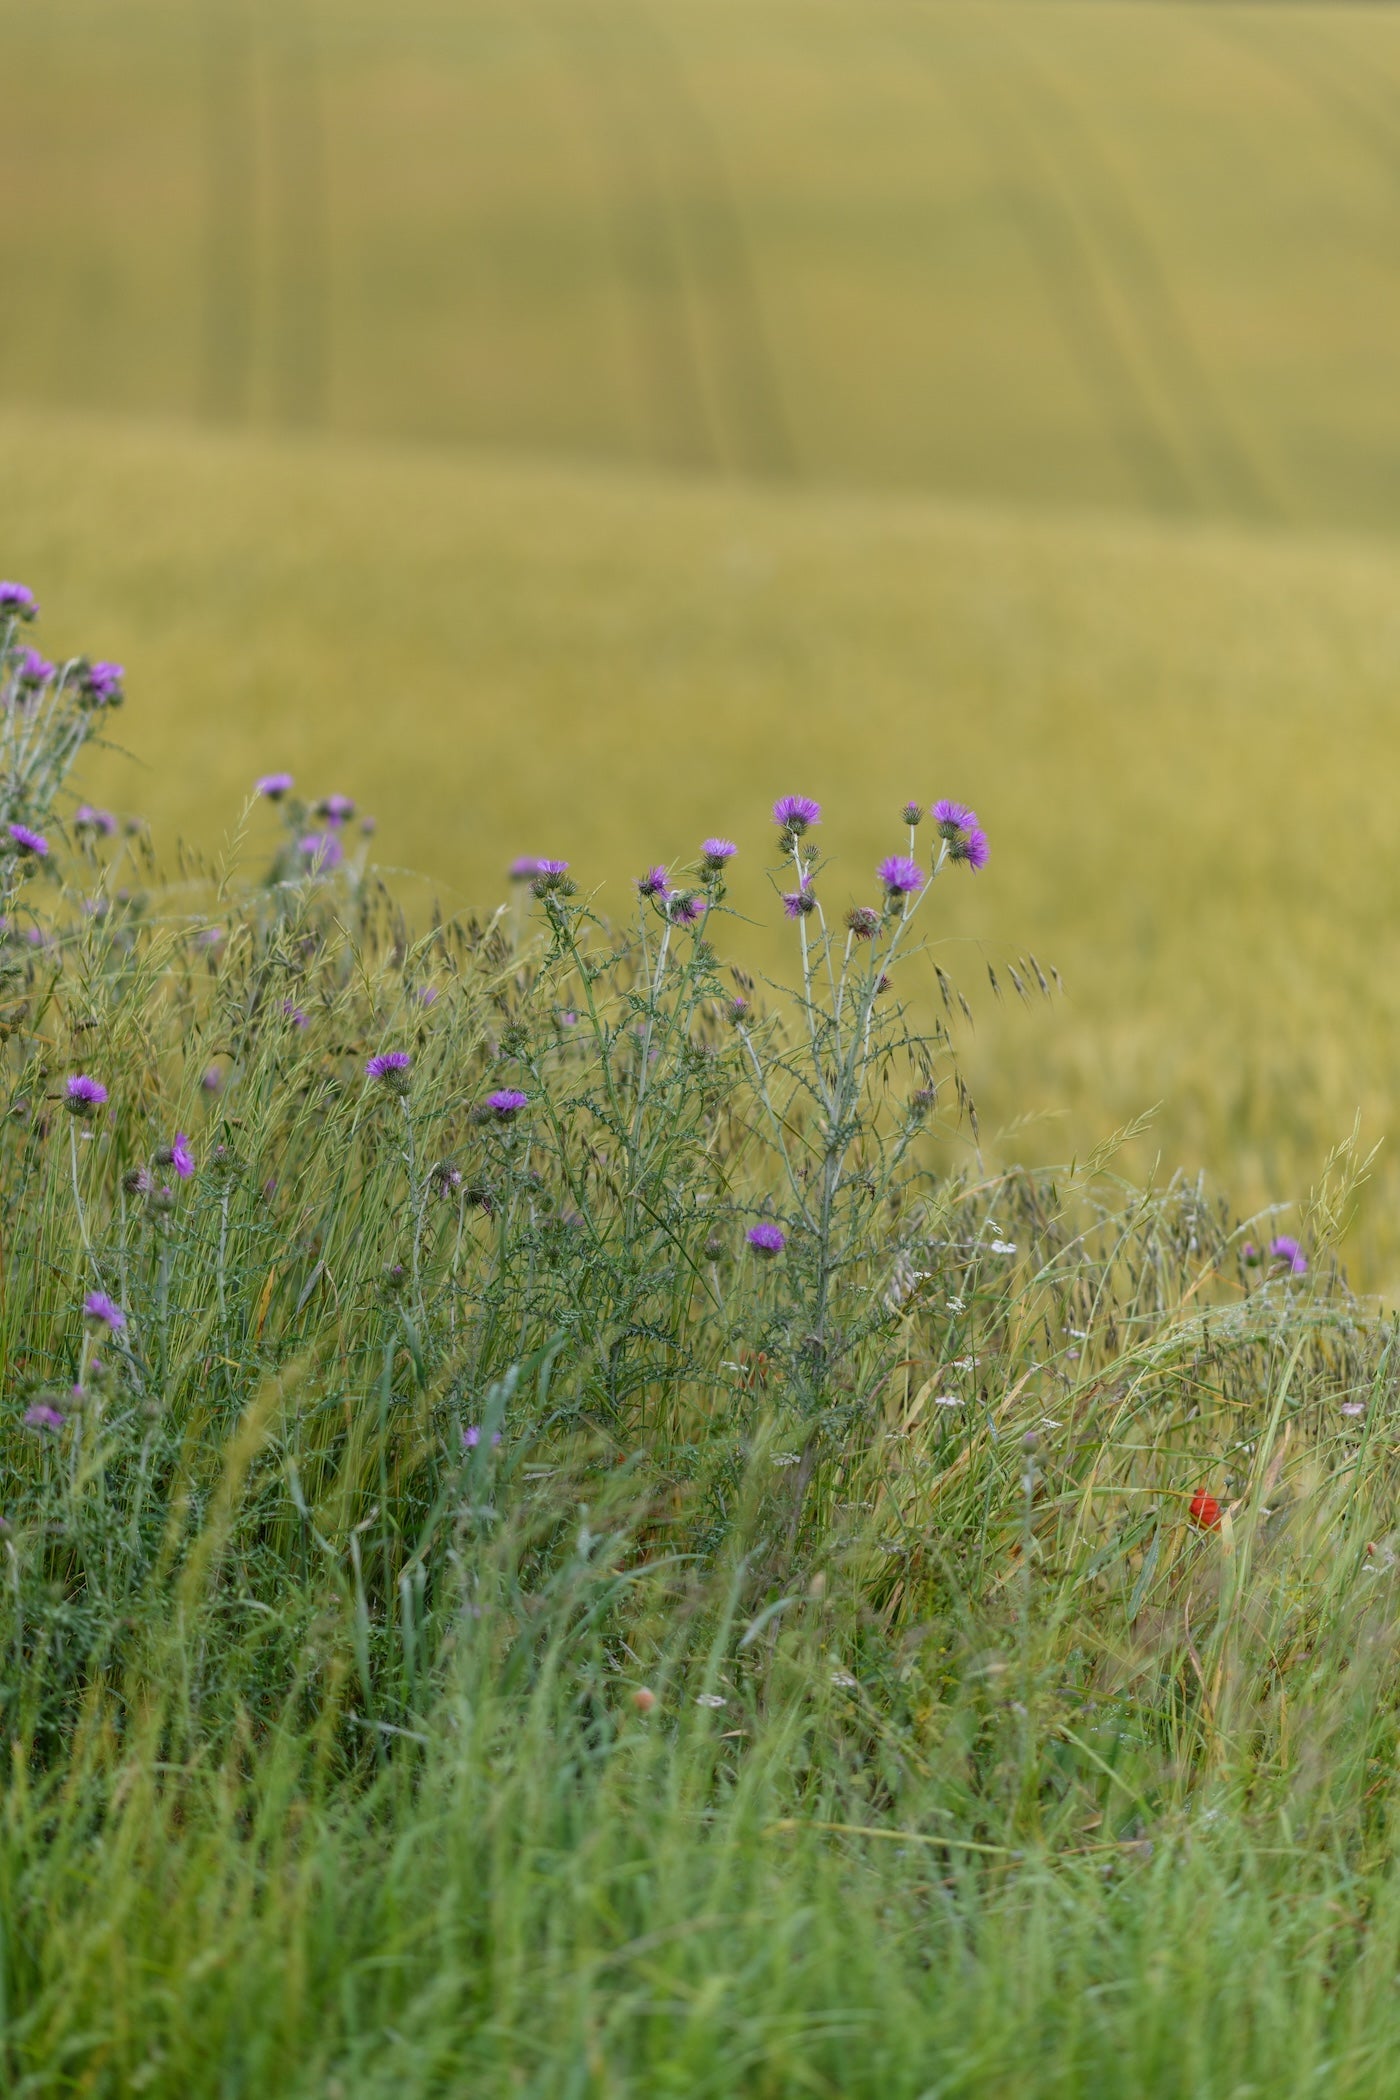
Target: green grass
x=973 y=1758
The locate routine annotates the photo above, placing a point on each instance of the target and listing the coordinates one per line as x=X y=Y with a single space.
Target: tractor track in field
x=690 y=288
x=1225 y=465
x=1063 y=257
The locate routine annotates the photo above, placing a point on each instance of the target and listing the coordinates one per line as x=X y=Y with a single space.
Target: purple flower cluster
x=798 y=903
x=471 y=1437
x=794 y=814
x=82 y=1095
x=321 y=850
x=274 y=786
x=101 y=821
x=104 y=1310
x=101 y=684
x=1287 y=1251
x=963 y=835
x=42 y=1416
x=335 y=809
x=655 y=883
x=506 y=1103
x=766 y=1239
x=34 y=670
x=715 y=854
x=685 y=908
x=17 y=602
x=392 y=1066
x=27 y=841
x=901 y=875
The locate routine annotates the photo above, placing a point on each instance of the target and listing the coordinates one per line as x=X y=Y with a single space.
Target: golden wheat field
x=567 y=426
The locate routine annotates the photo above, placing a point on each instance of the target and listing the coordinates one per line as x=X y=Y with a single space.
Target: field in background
x=617 y=413
x=1125 y=254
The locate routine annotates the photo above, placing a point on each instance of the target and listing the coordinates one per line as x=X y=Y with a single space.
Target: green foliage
x=474 y=1621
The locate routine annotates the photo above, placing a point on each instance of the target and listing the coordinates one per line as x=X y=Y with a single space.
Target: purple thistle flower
x=685 y=909
x=506 y=1103
x=863 y=922
x=714 y=853
x=102 y=684
x=42 y=1416
x=321 y=850
x=471 y=1437
x=98 y=1306
x=953 y=817
x=294 y=1014
x=551 y=877
x=86 y=818
x=181 y=1157
x=212 y=1080
x=17 y=601
x=901 y=875
x=392 y=1066
x=972 y=847
x=428 y=995
x=766 y=1239
x=83 y=1095
x=525 y=868
x=274 y=786
x=34 y=669
x=655 y=883
x=794 y=813
x=336 y=809
x=29 y=841
x=798 y=903
x=1285 y=1249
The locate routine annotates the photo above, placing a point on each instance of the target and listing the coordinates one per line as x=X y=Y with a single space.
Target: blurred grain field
x=568 y=425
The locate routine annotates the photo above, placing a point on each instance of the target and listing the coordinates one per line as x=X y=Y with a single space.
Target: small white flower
x=1047 y=1423
x=710 y=1699
x=787 y=1458
x=948 y=1400
x=844 y=1680
x=965 y=1363
x=957 y=1305
x=1003 y=1246
x=1353 y=1407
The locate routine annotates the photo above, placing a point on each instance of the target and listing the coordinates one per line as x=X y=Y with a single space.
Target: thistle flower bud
x=863 y=922
x=913 y=813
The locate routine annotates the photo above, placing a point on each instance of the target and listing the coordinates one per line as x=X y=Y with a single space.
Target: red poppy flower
x=1205 y=1511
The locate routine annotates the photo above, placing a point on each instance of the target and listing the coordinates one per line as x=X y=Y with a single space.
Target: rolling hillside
x=1125 y=254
